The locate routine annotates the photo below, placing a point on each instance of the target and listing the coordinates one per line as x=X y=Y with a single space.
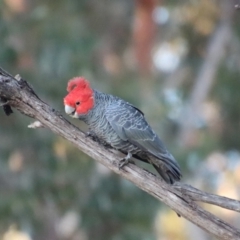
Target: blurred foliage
x=50 y=190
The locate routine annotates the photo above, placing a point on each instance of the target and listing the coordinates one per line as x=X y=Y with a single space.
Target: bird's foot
x=124 y=161
x=90 y=134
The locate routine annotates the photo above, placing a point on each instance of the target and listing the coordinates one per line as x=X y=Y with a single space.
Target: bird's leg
x=90 y=133
x=124 y=161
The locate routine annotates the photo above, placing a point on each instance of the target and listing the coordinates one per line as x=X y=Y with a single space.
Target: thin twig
x=200 y=196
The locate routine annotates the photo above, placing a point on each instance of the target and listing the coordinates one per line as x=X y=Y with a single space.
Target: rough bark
x=180 y=197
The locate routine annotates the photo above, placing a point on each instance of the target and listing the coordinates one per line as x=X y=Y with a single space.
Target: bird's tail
x=168 y=168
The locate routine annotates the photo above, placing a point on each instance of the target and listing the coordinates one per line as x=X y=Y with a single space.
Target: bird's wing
x=130 y=125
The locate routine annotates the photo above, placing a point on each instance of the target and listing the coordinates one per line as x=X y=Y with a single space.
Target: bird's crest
x=79 y=86
x=79 y=82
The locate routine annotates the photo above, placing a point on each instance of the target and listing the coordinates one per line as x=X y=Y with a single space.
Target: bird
x=121 y=125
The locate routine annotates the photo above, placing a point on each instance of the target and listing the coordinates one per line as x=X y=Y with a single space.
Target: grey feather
x=124 y=127
x=130 y=125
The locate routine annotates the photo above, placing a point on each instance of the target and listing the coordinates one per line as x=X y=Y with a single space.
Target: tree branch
x=179 y=197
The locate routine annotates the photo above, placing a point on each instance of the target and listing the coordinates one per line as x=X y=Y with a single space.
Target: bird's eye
x=78 y=103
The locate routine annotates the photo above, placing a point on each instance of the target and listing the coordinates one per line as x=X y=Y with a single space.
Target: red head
x=79 y=100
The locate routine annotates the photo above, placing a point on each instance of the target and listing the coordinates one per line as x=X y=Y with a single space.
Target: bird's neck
x=101 y=100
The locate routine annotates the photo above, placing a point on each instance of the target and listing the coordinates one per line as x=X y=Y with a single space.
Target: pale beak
x=69 y=110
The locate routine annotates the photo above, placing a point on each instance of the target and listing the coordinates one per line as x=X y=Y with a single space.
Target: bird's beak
x=69 y=110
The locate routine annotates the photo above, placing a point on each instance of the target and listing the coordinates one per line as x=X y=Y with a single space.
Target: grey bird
x=121 y=125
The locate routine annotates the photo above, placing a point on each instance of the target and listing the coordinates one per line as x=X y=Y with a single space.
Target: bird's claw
x=125 y=161
x=89 y=134
x=92 y=135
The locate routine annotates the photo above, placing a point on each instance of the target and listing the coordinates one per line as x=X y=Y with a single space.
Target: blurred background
x=178 y=61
